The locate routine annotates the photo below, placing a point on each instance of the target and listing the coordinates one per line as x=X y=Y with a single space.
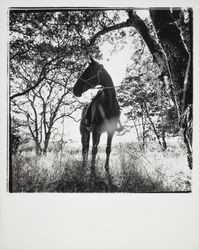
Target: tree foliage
x=47 y=53
x=48 y=50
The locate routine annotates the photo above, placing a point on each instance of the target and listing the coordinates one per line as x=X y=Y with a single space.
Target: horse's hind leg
x=85 y=145
x=108 y=151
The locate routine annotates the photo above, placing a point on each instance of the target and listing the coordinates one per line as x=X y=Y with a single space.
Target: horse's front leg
x=108 y=151
x=85 y=145
x=96 y=138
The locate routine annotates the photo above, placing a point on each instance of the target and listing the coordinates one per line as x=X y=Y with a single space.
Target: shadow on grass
x=133 y=182
x=74 y=185
x=45 y=174
x=137 y=184
x=79 y=181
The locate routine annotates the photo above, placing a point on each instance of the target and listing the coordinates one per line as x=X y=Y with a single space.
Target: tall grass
x=131 y=169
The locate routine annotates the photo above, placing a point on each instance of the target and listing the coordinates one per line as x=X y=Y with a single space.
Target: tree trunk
x=152 y=124
x=136 y=129
x=46 y=142
x=179 y=62
x=176 y=53
x=164 y=144
x=143 y=130
x=38 y=148
x=159 y=56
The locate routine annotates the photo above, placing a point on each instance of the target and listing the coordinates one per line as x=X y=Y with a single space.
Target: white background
x=96 y=221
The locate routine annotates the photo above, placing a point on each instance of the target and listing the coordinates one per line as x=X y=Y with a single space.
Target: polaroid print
x=100 y=100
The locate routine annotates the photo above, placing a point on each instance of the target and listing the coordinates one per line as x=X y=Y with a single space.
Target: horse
x=102 y=114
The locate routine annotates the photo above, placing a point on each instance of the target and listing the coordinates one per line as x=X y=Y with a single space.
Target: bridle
x=88 y=79
x=98 y=81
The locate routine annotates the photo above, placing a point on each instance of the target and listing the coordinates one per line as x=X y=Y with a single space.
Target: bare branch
x=73 y=118
x=40 y=79
x=42 y=75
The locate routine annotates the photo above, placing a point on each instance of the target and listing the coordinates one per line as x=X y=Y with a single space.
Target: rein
x=98 y=83
x=111 y=87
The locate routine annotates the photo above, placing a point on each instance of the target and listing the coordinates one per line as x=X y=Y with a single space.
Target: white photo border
x=97 y=221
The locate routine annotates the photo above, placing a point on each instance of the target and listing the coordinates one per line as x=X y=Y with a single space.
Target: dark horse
x=101 y=115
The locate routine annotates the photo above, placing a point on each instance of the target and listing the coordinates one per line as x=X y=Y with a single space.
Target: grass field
x=132 y=170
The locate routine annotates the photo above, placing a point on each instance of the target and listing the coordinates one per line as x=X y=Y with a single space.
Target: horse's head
x=89 y=78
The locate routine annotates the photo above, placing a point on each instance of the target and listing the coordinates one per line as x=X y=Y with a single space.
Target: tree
x=171 y=49
x=149 y=103
x=47 y=45
x=47 y=53
x=45 y=58
x=180 y=65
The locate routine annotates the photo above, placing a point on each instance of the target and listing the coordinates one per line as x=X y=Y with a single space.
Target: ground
x=132 y=170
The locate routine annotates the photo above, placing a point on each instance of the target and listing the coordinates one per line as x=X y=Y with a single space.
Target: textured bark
x=155 y=49
x=180 y=65
x=175 y=50
x=188 y=83
x=46 y=142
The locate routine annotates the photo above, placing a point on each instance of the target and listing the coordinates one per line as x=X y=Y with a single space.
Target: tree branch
x=42 y=75
x=108 y=29
x=153 y=46
x=40 y=79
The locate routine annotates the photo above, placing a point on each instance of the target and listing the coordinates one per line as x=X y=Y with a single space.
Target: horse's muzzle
x=76 y=92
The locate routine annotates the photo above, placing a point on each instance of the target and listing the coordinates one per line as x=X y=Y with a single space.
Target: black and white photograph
x=100 y=99
x=99 y=125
